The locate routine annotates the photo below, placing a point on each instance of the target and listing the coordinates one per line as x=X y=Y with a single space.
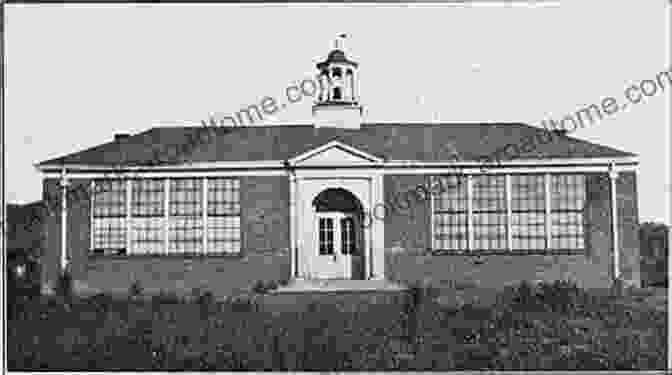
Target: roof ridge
x=405 y=140
x=441 y=123
x=231 y=127
x=363 y=124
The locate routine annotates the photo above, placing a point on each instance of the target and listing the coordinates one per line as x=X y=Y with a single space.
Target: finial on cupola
x=340 y=41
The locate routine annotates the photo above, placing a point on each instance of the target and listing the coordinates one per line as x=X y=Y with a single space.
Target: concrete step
x=347 y=294
x=339 y=285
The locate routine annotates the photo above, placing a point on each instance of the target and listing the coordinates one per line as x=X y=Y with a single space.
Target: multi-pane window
x=528 y=212
x=147 y=216
x=223 y=215
x=166 y=223
x=347 y=235
x=489 y=212
x=568 y=194
x=530 y=216
x=326 y=235
x=450 y=213
x=109 y=215
x=185 y=222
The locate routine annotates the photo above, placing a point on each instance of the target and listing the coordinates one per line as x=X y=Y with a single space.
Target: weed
x=166 y=297
x=550 y=326
x=136 y=290
x=242 y=303
x=263 y=287
x=64 y=285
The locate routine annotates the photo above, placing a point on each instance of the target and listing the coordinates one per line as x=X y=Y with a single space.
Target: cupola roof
x=336 y=56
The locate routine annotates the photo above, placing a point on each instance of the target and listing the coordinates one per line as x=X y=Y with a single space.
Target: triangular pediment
x=334 y=153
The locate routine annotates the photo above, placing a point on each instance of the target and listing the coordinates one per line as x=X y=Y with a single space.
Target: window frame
x=501 y=224
x=121 y=216
x=348 y=235
x=234 y=215
x=326 y=235
x=578 y=210
x=185 y=225
x=528 y=206
x=461 y=235
x=548 y=210
x=143 y=225
x=232 y=211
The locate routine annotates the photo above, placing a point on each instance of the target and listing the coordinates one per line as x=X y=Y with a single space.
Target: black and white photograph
x=399 y=186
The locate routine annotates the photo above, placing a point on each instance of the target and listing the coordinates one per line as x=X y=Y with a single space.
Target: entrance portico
x=333 y=189
x=334 y=239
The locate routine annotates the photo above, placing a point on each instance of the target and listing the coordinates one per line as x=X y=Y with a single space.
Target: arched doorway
x=340 y=246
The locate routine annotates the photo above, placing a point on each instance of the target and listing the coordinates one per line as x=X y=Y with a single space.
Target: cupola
x=337 y=104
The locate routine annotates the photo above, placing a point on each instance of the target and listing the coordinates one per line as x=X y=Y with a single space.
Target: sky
x=78 y=74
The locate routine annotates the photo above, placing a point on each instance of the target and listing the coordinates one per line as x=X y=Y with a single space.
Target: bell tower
x=337 y=104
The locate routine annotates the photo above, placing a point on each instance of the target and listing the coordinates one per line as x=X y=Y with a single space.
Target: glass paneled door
x=337 y=243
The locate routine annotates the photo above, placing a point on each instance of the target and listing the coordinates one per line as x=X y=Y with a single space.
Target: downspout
x=64 y=220
x=613 y=175
x=293 y=248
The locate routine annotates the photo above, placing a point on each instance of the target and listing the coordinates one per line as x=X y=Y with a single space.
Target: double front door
x=338 y=254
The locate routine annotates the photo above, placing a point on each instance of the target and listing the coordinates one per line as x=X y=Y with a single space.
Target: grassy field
x=545 y=327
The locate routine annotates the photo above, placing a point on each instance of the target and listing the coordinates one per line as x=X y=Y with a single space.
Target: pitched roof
x=421 y=142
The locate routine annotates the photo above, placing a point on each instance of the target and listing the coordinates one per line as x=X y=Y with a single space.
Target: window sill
x=508 y=252
x=165 y=256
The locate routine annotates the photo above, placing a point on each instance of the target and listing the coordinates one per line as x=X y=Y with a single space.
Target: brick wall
x=406 y=229
x=79 y=227
x=264 y=253
x=265 y=243
x=628 y=226
x=220 y=275
x=78 y=231
x=51 y=239
x=407 y=239
x=265 y=213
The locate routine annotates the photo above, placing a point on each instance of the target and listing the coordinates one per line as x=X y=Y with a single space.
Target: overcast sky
x=78 y=74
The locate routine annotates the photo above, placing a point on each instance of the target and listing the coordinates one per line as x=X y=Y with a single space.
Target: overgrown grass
x=550 y=326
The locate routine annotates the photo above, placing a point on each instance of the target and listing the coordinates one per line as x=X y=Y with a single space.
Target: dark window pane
x=147 y=197
x=528 y=212
x=489 y=212
x=568 y=199
x=109 y=214
x=450 y=212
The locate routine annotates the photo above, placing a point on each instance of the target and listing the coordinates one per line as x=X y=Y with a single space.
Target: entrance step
x=345 y=295
x=338 y=285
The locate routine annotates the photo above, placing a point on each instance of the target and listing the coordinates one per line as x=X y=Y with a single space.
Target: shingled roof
x=419 y=142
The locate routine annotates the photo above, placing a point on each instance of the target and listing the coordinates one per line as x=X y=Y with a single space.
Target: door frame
x=304 y=187
x=341 y=262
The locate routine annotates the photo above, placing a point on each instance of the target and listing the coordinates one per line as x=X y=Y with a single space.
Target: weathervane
x=338 y=43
